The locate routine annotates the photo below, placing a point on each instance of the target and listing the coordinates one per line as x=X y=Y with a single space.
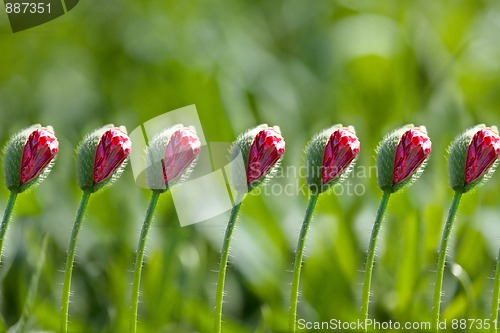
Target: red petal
x=267 y=148
x=412 y=150
x=483 y=151
x=40 y=148
x=341 y=149
x=111 y=151
x=182 y=148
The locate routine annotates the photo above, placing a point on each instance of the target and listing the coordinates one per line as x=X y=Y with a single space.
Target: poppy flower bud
x=29 y=156
x=101 y=157
x=172 y=154
x=473 y=157
x=330 y=156
x=402 y=156
x=261 y=148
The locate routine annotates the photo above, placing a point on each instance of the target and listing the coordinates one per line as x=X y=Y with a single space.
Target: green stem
x=299 y=254
x=139 y=259
x=6 y=218
x=442 y=259
x=70 y=259
x=496 y=294
x=33 y=288
x=365 y=301
x=219 y=295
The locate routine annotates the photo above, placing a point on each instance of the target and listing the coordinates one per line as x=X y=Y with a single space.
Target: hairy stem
x=496 y=294
x=219 y=295
x=299 y=255
x=442 y=260
x=6 y=218
x=70 y=259
x=139 y=259
x=365 y=301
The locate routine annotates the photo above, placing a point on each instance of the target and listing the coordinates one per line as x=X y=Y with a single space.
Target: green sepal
x=315 y=151
x=239 y=166
x=386 y=153
x=156 y=156
x=85 y=161
x=458 y=157
x=13 y=153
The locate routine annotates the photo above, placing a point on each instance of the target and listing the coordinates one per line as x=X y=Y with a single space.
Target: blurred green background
x=302 y=65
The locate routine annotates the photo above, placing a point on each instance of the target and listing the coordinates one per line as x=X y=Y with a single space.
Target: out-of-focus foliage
x=302 y=65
